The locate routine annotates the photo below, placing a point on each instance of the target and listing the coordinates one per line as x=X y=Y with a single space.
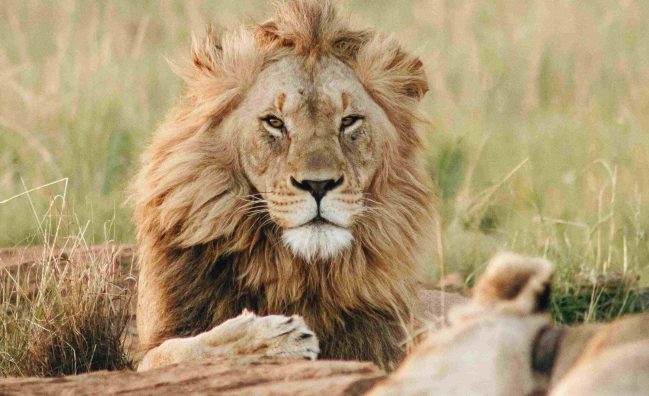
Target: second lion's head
x=298 y=125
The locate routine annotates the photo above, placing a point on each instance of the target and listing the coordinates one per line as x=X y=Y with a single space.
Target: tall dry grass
x=66 y=316
x=64 y=307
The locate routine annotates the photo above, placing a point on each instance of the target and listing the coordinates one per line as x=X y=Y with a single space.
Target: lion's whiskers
x=248 y=206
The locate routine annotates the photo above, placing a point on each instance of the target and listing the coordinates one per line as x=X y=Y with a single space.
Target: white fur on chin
x=317 y=240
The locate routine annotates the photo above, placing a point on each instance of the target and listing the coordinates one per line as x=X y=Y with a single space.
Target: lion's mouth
x=319 y=220
x=317 y=238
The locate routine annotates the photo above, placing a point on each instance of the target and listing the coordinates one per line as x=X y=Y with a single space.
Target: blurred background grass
x=538 y=109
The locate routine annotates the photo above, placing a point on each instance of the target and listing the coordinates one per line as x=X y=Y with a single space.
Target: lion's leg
x=150 y=309
x=247 y=334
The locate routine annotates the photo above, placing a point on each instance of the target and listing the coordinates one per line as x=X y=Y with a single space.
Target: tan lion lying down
x=504 y=342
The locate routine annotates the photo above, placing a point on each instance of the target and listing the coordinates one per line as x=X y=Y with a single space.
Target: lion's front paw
x=247 y=334
x=273 y=335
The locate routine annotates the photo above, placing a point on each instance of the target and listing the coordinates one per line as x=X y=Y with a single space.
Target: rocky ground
x=242 y=376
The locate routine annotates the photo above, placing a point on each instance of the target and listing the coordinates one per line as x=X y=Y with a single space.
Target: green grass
x=538 y=133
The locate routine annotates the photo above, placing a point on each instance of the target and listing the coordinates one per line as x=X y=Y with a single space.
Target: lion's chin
x=321 y=240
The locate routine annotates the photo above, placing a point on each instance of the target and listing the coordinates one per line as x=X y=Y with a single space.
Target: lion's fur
x=504 y=342
x=204 y=258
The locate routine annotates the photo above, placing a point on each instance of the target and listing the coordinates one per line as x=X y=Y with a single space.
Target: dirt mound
x=242 y=376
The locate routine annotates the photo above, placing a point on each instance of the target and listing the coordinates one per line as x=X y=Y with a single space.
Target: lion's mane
x=208 y=257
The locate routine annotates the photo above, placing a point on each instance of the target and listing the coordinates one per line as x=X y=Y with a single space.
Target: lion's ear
x=220 y=70
x=388 y=71
x=418 y=84
x=205 y=51
x=515 y=284
x=231 y=61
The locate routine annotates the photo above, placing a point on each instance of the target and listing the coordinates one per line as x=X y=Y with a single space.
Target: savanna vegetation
x=538 y=132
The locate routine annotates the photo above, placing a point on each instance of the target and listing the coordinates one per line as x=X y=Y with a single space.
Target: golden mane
x=208 y=257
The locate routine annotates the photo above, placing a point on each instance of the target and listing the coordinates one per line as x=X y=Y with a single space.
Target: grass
x=538 y=133
x=73 y=323
x=65 y=313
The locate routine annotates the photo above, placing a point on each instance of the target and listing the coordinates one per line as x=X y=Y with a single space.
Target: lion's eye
x=274 y=122
x=349 y=121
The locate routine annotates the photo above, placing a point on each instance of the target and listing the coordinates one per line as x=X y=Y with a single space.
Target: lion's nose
x=317 y=188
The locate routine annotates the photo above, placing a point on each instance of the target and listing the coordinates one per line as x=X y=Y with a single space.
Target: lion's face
x=310 y=141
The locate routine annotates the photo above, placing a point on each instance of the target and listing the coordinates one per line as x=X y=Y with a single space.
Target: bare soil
x=241 y=376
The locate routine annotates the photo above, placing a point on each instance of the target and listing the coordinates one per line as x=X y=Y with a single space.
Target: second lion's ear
x=515 y=284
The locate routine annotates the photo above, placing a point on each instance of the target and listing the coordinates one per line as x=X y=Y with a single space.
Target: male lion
x=289 y=181
x=504 y=343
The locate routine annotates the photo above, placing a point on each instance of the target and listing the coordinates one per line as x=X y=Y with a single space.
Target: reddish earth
x=242 y=376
